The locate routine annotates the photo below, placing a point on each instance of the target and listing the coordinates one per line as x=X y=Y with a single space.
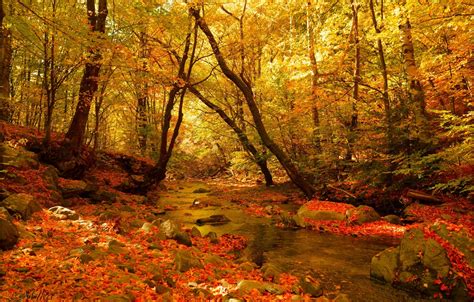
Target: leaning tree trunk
x=246 y=90
x=89 y=81
x=244 y=140
x=5 y=67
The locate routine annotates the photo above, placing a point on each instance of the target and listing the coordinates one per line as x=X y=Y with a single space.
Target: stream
x=341 y=263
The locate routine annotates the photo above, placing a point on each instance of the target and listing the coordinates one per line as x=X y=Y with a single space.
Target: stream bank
x=340 y=263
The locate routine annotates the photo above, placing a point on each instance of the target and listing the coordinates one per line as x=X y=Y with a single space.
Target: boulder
x=201 y=190
x=21 y=204
x=62 y=213
x=183 y=238
x=103 y=196
x=459 y=238
x=310 y=286
x=195 y=232
x=324 y=214
x=170 y=228
x=393 y=219
x=51 y=176
x=246 y=287
x=213 y=220
x=184 y=261
x=76 y=188
x=361 y=214
x=18 y=157
x=419 y=263
x=213 y=237
x=384 y=265
x=271 y=272
x=8 y=232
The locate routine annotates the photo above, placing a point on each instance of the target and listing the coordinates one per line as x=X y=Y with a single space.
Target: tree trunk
x=142 y=101
x=314 y=79
x=385 y=96
x=246 y=90
x=244 y=140
x=158 y=172
x=5 y=67
x=89 y=81
x=355 y=93
x=415 y=89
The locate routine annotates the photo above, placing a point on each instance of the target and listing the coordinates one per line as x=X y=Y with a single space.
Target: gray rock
x=311 y=286
x=201 y=190
x=50 y=176
x=246 y=286
x=21 y=204
x=183 y=238
x=271 y=272
x=62 y=213
x=8 y=232
x=184 y=261
x=213 y=220
x=362 y=214
x=169 y=228
x=213 y=237
x=195 y=232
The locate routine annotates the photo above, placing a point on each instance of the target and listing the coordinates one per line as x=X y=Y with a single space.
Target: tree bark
x=383 y=67
x=89 y=82
x=355 y=93
x=5 y=67
x=314 y=79
x=246 y=90
x=415 y=89
x=142 y=101
x=243 y=138
x=158 y=172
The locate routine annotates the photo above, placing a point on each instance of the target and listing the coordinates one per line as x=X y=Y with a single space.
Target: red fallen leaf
x=443 y=287
x=437 y=281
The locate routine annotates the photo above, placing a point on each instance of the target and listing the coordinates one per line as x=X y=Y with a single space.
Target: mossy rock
x=411 y=248
x=384 y=265
x=184 y=261
x=21 y=204
x=305 y=213
x=459 y=238
x=8 y=233
x=362 y=214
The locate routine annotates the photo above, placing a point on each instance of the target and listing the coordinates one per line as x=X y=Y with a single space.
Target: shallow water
x=341 y=263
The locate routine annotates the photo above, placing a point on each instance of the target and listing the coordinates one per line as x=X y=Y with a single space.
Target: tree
x=415 y=89
x=5 y=66
x=89 y=82
x=246 y=90
x=243 y=138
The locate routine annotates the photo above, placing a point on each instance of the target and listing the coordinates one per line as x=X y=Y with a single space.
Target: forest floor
x=118 y=249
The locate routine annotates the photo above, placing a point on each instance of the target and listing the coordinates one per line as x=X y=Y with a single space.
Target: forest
x=250 y=150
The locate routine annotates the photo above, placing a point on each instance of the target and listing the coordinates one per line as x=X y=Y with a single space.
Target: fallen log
x=423 y=197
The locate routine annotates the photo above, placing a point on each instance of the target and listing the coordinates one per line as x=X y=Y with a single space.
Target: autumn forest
x=317 y=150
